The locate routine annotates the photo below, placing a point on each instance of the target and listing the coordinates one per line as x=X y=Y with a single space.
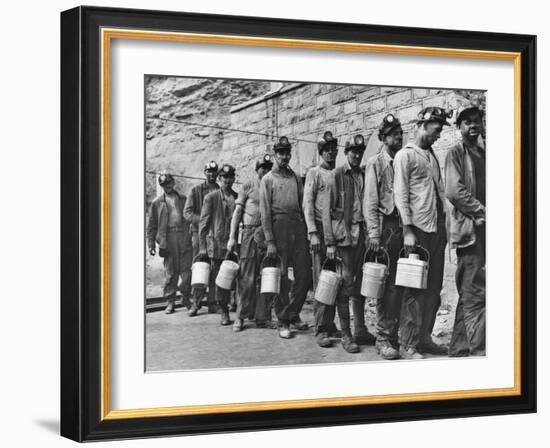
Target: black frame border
x=81 y=223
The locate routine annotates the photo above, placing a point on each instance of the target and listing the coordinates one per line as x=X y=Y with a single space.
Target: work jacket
x=417 y=186
x=215 y=223
x=157 y=224
x=378 y=199
x=315 y=191
x=192 y=210
x=281 y=195
x=460 y=188
x=338 y=226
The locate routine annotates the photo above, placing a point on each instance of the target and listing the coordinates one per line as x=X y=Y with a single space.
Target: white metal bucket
x=271 y=278
x=200 y=274
x=374 y=275
x=412 y=272
x=227 y=274
x=328 y=286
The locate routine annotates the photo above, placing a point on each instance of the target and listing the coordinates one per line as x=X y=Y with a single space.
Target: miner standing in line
x=192 y=213
x=420 y=198
x=344 y=228
x=214 y=229
x=281 y=195
x=167 y=227
x=385 y=231
x=247 y=210
x=315 y=194
x=465 y=189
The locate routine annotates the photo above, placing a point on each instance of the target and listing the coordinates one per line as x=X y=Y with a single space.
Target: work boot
x=284 y=332
x=193 y=311
x=410 y=353
x=363 y=337
x=186 y=302
x=225 y=317
x=323 y=340
x=170 y=306
x=386 y=350
x=348 y=344
x=299 y=325
x=238 y=325
x=432 y=348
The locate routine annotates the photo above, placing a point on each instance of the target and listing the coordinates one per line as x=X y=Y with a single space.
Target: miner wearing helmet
x=281 y=195
x=214 y=229
x=167 y=227
x=419 y=196
x=384 y=232
x=192 y=213
x=344 y=229
x=315 y=189
x=465 y=190
x=247 y=212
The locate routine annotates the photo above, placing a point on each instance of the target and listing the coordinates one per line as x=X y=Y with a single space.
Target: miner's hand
x=374 y=244
x=271 y=249
x=314 y=242
x=331 y=252
x=152 y=251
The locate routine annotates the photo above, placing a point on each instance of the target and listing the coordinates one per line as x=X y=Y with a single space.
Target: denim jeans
x=177 y=264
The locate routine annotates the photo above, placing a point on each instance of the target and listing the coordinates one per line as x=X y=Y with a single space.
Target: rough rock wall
x=181 y=148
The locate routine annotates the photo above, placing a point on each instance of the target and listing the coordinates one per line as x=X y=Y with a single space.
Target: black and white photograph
x=294 y=223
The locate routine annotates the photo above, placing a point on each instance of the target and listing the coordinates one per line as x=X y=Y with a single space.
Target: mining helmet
x=434 y=114
x=283 y=143
x=389 y=123
x=327 y=142
x=462 y=110
x=358 y=143
x=211 y=166
x=227 y=170
x=264 y=161
x=164 y=178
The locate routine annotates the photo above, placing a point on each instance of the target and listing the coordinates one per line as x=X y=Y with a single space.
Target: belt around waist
x=251 y=226
x=283 y=217
x=176 y=229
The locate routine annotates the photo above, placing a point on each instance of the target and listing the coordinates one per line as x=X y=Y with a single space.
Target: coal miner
x=167 y=227
x=281 y=195
x=192 y=213
x=420 y=198
x=465 y=189
x=214 y=228
x=247 y=211
x=344 y=229
x=384 y=230
x=315 y=199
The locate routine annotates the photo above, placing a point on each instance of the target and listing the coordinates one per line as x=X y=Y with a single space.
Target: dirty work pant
x=420 y=306
x=469 y=327
x=388 y=307
x=292 y=247
x=223 y=296
x=177 y=264
x=351 y=264
x=323 y=314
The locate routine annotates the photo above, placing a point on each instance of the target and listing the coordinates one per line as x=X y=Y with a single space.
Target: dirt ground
x=179 y=342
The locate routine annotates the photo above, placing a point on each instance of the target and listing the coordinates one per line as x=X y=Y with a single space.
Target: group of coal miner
x=397 y=202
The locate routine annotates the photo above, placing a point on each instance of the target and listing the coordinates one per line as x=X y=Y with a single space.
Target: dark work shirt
x=479 y=167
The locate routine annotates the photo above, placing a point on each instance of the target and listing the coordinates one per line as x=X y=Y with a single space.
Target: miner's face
x=211 y=176
x=330 y=153
x=394 y=139
x=168 y=186
x=431 y=131
x=283 y=157
x=263 y=170
x=470 y=125
x=354 y=157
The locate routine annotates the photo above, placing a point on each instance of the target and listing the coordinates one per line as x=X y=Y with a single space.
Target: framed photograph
x=277 y=224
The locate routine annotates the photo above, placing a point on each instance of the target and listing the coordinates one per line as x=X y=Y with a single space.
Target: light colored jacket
x=192 y=210
x=460 y=188
x=378 y=199
x=315 y=192
x=417 y=184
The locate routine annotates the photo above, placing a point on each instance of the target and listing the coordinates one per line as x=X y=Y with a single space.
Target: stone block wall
x=304 y=111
